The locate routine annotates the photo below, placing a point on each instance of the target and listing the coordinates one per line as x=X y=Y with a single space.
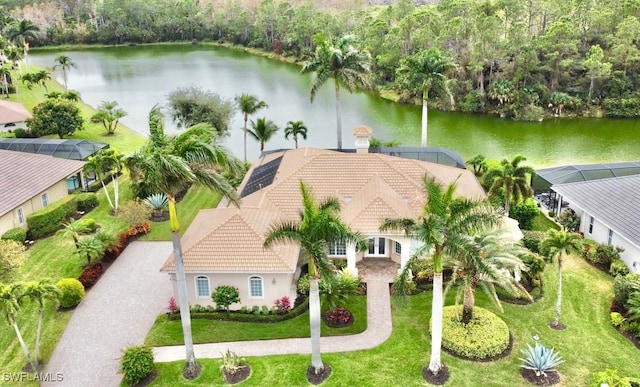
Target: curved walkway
x=378 y=328
x=116 y=313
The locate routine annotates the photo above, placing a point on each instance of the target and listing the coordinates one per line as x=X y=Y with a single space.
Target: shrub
x=485 y=336
x=21 y=133
x=283 y=305
x=265 y=310
x=532 y=240
x=49 y=219
x=255 y=310
x=603 y=255
x=72 y=292
x=336 y=289
x=611 y=378
x=17 y=234
x=88 y=225
x=136 y=364
x=337 y=316
x=617 y=320
x=623 y=286
x=173 y=306
x=12 y=255
x=540 y=359
x=87 y=201
x=525 y=213
x=535 y=265
x=231 y=363
x=134 y=212
x=618 y=267
x=224 y=296
x=304 y=284
x=157 y=202
x=90 y=275
x=569 y=220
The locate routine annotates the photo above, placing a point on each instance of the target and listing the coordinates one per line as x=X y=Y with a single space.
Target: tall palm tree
x=21 y=33
x=487 y=261
x=65 y=63
x=560 y=243
x=108 y=115
x=295 y=129
x=40 y=292
x=428 y=69
x=107 y=160
x=442 y=228
x=170 y=165
x=348 y=66
x=319 y=225
x=262 y=130
x=10 y=304
x=248 y=104
x=511 y=179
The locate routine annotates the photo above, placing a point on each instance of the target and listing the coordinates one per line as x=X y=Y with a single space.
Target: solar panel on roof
x=261 y=177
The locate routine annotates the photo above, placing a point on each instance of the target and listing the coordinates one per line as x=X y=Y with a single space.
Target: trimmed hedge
x=49 y=219
x=72 y=292
x=486 y=336
x=17 y=234
x=87 y=201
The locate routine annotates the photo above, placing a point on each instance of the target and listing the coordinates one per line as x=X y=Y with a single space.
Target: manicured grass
x=542 y=223
x=589 y=344
x=166 y=332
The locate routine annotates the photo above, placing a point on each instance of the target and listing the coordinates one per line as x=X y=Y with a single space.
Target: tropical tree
x=248 y=104
x=479 y=164
x=108 y=115
x=5 y=76
x=511 y=180
x=295 y=129
x=170 y=165
x=560 y=243
x=428 y=70
x=21 y=33
x=65 y=63
x=107 y=160
x=502 y=90
x=15 y=55
x=487 y=261
x=262 y=130
x=73 y=229
x=341 y=60
x=319 y=226
x=90 y=248
x=41 y=77
x=443 y=228
x=40 y=292
x=189 y=106
x=10 y=304
x=55 y=116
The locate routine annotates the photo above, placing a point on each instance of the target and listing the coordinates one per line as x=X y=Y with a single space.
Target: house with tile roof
x=609 y=212
x=224 y=246
x=13 y=116
x=29 y=182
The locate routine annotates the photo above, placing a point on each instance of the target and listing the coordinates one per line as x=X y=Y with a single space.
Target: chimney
x=363 y=135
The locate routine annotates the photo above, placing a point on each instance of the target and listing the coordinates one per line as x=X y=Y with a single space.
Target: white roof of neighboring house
x=370 y=187
x=613 y=201
x=11 y=112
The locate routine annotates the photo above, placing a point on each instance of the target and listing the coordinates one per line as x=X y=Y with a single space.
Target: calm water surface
x=142 y=76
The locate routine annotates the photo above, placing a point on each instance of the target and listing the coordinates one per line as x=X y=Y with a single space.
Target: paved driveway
x=116 y=313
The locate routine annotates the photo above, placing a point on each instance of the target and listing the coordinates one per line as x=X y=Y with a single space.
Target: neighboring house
x=13 y=116
x=609 y=212
x=29 y=182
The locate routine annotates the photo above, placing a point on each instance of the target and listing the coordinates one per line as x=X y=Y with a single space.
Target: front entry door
x=377 y=248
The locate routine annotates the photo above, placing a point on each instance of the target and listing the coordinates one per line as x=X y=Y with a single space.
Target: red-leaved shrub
x=90 y=275
x=283 y=305
x=338 y=317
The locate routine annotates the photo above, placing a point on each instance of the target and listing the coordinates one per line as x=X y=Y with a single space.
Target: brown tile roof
x=24 y=175
x=370 y=187
x=362 y=131
x=11 y=112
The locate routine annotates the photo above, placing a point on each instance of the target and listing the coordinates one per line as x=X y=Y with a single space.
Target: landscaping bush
x=72 y=292
x=525 y=213
x=304 y=284
x=47 y=220
x=569 y=220
x=17 y=234
x=483 y=337
x=90 y=275
x=283 y=305
x=134 y=212
x=136 y=364
x=603 y=255
x=623 y=286
x=618 y=267
x=88 y=225
x=224 y=296
x=337 y=317
x=87 y=201
x=532 y=240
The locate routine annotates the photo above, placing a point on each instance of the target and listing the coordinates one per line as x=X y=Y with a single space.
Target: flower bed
x=90 y=275
x=338 y=317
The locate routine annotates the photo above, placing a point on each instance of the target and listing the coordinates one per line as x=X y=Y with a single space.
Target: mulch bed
x=438 y=379
x=499 y=356
x=162 y=218
x=149 y=379
x=240 y=375
x=553 y=377
x=317 y=378
x=192 y=373
x=558 y=327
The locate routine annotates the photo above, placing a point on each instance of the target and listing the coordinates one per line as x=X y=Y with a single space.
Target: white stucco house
x=13 y=116
x=224 y=246
x=609 y=211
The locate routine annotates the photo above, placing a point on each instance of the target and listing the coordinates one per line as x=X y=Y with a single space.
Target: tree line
x=518 y=59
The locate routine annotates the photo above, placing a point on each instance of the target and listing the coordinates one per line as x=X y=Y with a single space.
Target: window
x=398 y=248
x=338 y=248
x=20 y=216
x=610 y=237
x=591 y=225
x=45 y=199
x=202 y=286
x=255 y=287
x=377 y=246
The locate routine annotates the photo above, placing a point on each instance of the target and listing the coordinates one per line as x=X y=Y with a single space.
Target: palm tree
x=559 y=243
x=427 y=69
x=10 y=303
x=170 y=165
x=90 y=248
x=262 y=130
x=502 y=91
x=295 y=129
x=511 y=180
x=248 y=104
x=15 y=55
x=5 y=75
x=442 y=228
x=479 y=164
x=107 y=160
x=41 y=77
x=73 y=229
x=348 y=66
x=21 y=33
x=40 y=292
x=319 y=225
x=65 y=63
x=487 y=261
x=108 y=115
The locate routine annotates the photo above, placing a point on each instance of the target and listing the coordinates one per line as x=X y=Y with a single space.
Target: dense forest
x=518 y=58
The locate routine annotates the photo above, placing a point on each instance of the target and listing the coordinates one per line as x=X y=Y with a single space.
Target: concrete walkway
x=116 y=313
x=378 y=331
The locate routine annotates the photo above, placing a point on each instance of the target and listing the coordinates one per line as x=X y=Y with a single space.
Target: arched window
x=202 y=286
x=256 y=288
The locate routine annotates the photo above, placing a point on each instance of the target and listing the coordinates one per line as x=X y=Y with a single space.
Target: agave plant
x=158 y=202
x=540 y=359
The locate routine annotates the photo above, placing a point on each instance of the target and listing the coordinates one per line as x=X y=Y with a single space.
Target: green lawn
x=542 y=223
x=589 y=344
x=166 y=332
